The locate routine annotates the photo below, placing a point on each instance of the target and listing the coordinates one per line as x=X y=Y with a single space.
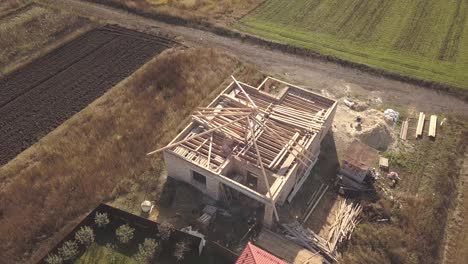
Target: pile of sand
x=375 y=129
x=377 y=136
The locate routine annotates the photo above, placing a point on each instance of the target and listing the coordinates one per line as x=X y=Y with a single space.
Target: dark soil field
x=37 y=98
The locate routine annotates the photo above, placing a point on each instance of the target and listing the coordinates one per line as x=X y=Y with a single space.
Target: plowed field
x=39 y=97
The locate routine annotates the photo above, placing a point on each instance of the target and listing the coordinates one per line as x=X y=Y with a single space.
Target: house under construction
x=259 y=142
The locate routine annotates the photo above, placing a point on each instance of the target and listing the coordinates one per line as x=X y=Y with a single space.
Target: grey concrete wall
x=181 y=169
x=243 y=168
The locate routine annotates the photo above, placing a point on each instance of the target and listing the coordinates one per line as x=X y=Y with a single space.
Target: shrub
x=180 y=249
x=101 y=219
x=146 y=250
x=54 y=259
x=165 y=230
x=124 y=233
x=69 y=250
x=85 y=236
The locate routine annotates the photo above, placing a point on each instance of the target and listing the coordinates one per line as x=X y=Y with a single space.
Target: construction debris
x=392 y=115
x=346 y=219
x=404 y=129
x=420 y=127
x=393 y=176
x=433 y=126
x=383 y=164
x=443 y=121
x=349 y=103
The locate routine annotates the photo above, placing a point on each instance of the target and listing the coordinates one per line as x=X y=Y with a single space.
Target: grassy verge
x=100 y=152
x=103 y=255
x=418 y=214
x=225 y=12
x=422 y=39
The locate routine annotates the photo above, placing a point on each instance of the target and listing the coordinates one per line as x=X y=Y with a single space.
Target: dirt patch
x=39 y=97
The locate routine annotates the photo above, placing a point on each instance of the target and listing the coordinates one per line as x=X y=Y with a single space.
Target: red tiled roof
x=255 y=255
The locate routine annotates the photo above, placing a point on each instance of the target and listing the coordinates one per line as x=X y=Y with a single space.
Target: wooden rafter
x=259 y=158
x=246 y=94
x=195 y=136
x=209 y=150
x=289 y=145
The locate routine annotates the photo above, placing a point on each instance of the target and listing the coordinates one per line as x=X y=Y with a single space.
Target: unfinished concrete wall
x=244 y=168
x=182 y=170
x=328 y=122
x=268 y=215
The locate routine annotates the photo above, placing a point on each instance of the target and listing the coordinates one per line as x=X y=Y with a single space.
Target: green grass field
x=97 y=254
x=427 y=39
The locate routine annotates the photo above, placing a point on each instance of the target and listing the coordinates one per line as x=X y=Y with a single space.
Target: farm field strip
x=27 y=28
x=424 y=39
x=42 y=95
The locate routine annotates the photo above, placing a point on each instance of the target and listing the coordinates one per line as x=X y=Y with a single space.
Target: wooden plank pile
x=404 y=129
x=346 y=219
x=308 y=239
x=420 y=127
x=433 y=126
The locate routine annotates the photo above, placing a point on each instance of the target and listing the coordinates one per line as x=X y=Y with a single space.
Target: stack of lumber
x=308 y=239
x=433 y=126
x=404 y=129
x=346 y=219
x=314 y=201
x=420 y=127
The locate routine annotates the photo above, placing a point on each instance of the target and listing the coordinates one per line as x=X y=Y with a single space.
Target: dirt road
x=310 y=73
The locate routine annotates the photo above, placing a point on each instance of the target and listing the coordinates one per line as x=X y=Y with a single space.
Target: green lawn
x=426 y=39
x=97 y=254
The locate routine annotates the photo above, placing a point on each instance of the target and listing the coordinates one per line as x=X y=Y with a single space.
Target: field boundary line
x=18 y=10
x=459 y=92
x=47 y=48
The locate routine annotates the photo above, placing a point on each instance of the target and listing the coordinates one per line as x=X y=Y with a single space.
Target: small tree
x=124 y=233
x=180 y=249
x=165 y=230
x=85 y=236
x=101 y=219
x=69 y=250
x=54 y=259
x=146 y=250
